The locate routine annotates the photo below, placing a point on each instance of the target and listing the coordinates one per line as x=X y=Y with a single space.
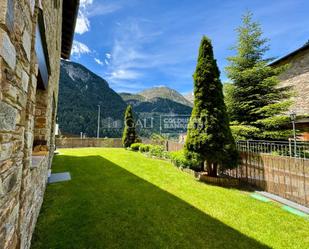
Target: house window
x=42 y=53
x=41 y=119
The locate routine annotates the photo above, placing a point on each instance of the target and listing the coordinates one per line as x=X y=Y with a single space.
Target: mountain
x=80 y=93
x=158 y=100
x=132 y=99
x=190 y=97
x=155 y=103
x=165 y=93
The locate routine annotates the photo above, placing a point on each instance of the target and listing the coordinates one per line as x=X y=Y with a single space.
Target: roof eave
x=278 y=61
x=69 y=17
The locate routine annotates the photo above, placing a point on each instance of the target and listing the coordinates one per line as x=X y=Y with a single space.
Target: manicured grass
x=122 y=199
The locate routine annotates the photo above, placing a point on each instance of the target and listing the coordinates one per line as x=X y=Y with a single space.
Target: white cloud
x=83 y=3
x=82 y=23
x=128 y=57
x=106 y=62
x=102 y=9
x=99 y=61
x=79 y=48
x=89 y=9
x=122 y=74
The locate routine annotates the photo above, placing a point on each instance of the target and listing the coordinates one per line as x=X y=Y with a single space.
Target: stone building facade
x=34 y=35
x=297 y=77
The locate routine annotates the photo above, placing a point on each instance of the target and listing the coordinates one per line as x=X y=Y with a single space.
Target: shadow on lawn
x=105 y=206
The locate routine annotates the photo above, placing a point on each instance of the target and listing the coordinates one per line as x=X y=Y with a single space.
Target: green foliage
x=209 y=136
x=255 y=95
x=156 y=150
x=145 y=147
x=129 y=134
x=228 y=90
x=179 y=159
x=135 y=146
x=242 y=132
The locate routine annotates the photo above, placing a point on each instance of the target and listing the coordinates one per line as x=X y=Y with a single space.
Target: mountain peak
x=164 y=93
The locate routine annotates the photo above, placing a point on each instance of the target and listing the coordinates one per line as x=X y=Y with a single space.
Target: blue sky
x=137 y=44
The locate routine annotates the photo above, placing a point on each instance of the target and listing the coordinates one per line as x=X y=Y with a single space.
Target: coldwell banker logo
x=174 y=123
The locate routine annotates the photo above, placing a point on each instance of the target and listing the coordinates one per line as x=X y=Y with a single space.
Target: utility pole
x=98 y=131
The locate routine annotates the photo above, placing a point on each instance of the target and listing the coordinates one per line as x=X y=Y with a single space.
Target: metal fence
x=298 y=149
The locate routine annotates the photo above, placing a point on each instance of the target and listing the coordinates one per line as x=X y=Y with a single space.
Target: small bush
x=145 y=148
x=135 y=146
x=157 y=150
x=179 y=159
x=166 y=155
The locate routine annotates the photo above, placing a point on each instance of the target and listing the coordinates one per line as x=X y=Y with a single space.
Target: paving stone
x=284 y=201
x=59 y=177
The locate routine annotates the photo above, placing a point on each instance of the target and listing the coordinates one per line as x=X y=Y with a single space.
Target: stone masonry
x=27 y=114
x=297 y=76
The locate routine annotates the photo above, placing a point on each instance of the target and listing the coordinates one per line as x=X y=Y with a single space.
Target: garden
x=118 y=198
x=135 y=197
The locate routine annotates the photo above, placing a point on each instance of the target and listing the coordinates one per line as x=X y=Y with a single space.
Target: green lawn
x=122 y=199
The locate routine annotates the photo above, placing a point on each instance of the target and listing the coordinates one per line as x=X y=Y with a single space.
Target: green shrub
x=166 y=155
x=145 y=148
x=135 y=146
x=156 y=150
x=179 y=159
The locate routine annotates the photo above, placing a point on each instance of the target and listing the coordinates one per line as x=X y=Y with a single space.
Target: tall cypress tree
x=129 y=133
x=257 y=99
x=209 y=137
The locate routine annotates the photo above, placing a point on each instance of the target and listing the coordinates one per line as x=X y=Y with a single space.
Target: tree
x=256 y=98
x=228 y=89
x=209 y=137
x=129 y=134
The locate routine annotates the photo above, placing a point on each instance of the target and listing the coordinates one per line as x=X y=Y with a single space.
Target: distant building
x=34 y=34
x=297 y=77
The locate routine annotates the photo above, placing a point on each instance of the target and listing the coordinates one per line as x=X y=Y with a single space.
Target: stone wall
x=297 y=76
x=26 y=114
